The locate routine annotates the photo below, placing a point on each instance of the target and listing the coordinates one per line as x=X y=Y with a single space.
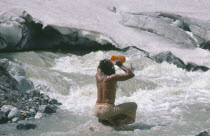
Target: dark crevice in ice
x=205 y=45
x=48 y=38
x=184 y=25
x=37 y=37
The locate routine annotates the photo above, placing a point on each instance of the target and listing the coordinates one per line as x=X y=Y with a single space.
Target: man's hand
x=118 y=63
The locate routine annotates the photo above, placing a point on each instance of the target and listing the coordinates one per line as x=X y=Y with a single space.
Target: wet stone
x=26 y=126
x=13 y=113
x=4 y=63
x=170 y=58
x=53 y=101
x=195 y=67
x=46 y=98
x=16 y=119
x=38 y=115
x=33 y=93
x=47 y=109
x=6 y=109
x=3 y=118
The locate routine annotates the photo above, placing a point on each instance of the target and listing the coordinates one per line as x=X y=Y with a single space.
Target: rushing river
x=171 y=101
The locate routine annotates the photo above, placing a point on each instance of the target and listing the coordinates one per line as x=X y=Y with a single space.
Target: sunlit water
x=170 y=100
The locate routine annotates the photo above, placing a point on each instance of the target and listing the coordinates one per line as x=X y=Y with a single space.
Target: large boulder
x=7 y=108
x=14 y=113
x=195 y=67
x=168 y=57
x=18 y=73
x=172 y=59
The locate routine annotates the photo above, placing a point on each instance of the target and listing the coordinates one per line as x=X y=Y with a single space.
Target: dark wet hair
x=107 y=67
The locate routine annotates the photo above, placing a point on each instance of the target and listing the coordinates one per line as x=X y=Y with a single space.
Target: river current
x=171 y=101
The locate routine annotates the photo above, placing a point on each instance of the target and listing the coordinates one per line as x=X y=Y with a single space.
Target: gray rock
x=18 y=19
x=33 y=93
x=3 y=118
x=7 y=108
x=9 y=88
x=204 y=133
x=195 y=67
x=26 y=126
x=15 y=120
x=33 y=104
x=32 y=110
x=24 y=84
x=53 y=101
x=4 y=63
x=15 y=70
x=3 y=43
x=2 y=115
x=6 y=111
x=27 y=114
x=134 y=51
x=32 y=114
x=11 y=32
x=205 y=45
x=14 y=113
x=48 y=109
x=46 y=98
x=38 y=115
x=170 y=58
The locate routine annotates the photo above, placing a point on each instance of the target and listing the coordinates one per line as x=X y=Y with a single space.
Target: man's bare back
x=106 y=88
x=107 y=85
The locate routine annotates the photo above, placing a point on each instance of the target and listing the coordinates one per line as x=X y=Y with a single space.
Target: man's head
x=107 y=67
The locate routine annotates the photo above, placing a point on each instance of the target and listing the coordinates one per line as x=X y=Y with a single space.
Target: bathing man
x=105 y=110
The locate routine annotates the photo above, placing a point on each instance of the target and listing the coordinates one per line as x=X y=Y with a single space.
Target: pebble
x=38 y=115
x=16 y=119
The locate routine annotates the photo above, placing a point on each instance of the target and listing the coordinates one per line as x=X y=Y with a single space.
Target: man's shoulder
x=110 y=77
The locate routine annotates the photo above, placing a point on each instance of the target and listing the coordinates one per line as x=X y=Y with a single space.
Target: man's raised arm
x=121 y=77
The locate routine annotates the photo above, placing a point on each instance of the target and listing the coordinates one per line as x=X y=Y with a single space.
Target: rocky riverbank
x=19 y=98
